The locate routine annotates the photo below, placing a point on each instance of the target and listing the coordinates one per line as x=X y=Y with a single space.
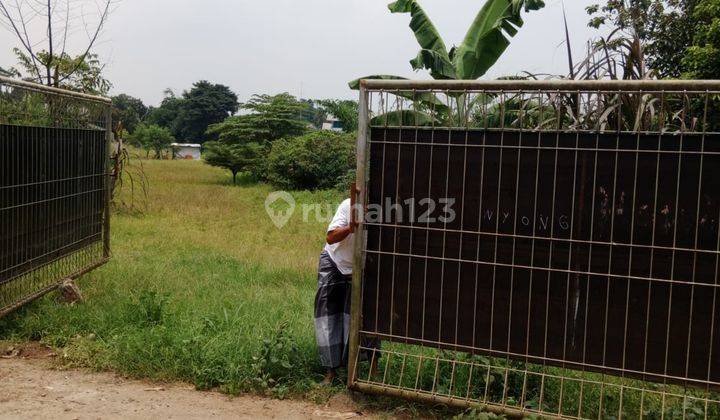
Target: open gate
x=54 y=188
x=540 y=247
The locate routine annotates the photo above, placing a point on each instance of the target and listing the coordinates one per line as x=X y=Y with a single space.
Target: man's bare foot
x=329 y=377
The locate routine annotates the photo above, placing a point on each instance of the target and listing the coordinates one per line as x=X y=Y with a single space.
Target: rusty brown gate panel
x=541 y=247
x=54 y=197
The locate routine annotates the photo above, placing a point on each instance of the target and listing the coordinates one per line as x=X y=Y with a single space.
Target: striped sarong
x=332 y=313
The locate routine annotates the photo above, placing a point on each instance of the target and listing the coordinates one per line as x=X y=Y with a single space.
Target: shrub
x=245 y=157
x=152 y=138
x=318 y=160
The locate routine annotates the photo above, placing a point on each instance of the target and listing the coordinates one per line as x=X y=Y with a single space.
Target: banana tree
x=485 y=41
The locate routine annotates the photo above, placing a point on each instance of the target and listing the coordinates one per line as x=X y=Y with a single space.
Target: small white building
x=332 y=124
x=189 y=151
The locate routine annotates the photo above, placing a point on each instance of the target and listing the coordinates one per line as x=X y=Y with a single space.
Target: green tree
x=702 y=58
x=129 y=111
x=189 y=116
x=47 y=59
x=234 y=157
x=314 y=113
x=316 y=160
x=245 y=139
x=203 y=105
x=81 y=73
x=152 y=138
x=166 y=114
x=664 y=29
x=269 y=118
x=344 y=110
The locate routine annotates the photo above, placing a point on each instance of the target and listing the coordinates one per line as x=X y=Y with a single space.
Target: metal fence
x=54 y=195
x=540 y=247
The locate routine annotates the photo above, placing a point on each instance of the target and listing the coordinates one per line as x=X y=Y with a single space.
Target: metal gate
x=54 y=188
x=546 y=247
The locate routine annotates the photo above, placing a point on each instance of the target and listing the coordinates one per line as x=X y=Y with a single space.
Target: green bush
x=318 y=160
x=152 y=138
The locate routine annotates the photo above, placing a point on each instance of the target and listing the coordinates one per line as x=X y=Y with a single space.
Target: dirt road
x=31 y=388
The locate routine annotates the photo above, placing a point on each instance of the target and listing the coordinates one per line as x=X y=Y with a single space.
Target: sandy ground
x=31 y=388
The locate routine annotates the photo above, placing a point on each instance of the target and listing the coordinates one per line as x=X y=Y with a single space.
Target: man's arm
x=339 y=234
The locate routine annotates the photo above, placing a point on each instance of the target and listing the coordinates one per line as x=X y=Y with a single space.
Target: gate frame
x=106 y=103
x=362 y=175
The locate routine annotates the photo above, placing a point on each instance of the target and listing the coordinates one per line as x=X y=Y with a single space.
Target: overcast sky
x=306 y=47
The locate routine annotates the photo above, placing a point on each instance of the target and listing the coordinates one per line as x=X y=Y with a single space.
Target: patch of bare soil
x=30 y=350
x=31 y=388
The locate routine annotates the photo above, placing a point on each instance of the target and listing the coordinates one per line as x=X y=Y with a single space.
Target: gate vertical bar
x=358 y=257
x=107 y=181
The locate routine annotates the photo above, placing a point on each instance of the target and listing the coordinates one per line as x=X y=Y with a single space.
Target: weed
x=275 y=361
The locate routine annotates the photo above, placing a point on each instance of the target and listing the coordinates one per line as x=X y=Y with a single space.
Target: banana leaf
x=488 y=36
x=403 y=118
x=440 y=67
x=436 y=59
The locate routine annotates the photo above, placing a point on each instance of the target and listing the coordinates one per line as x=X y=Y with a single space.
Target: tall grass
x=201 y=287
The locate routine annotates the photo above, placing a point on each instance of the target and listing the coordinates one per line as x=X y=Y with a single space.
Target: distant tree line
x=185 y=117
x=273 y=138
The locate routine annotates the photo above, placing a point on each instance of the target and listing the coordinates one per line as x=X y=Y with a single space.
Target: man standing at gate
x=332 y=301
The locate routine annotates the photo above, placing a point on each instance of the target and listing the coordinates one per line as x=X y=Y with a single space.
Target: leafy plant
x=166 y=114
x=152 y=138
x=346 y=111
x=690 y=410
x=147 y=308
x=189 y=115
x=44 y=59
x=664 y=29
x=486 y=40
x=244 y=140
x=317 y=160
x=702 y=58
x=275 y=361
x=269 y=118
x=82 y=73
x=200 y=107
x=236 y=158
x=127 y=173
x=128 y=111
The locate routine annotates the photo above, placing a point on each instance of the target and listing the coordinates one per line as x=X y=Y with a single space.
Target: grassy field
x=202 y=287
